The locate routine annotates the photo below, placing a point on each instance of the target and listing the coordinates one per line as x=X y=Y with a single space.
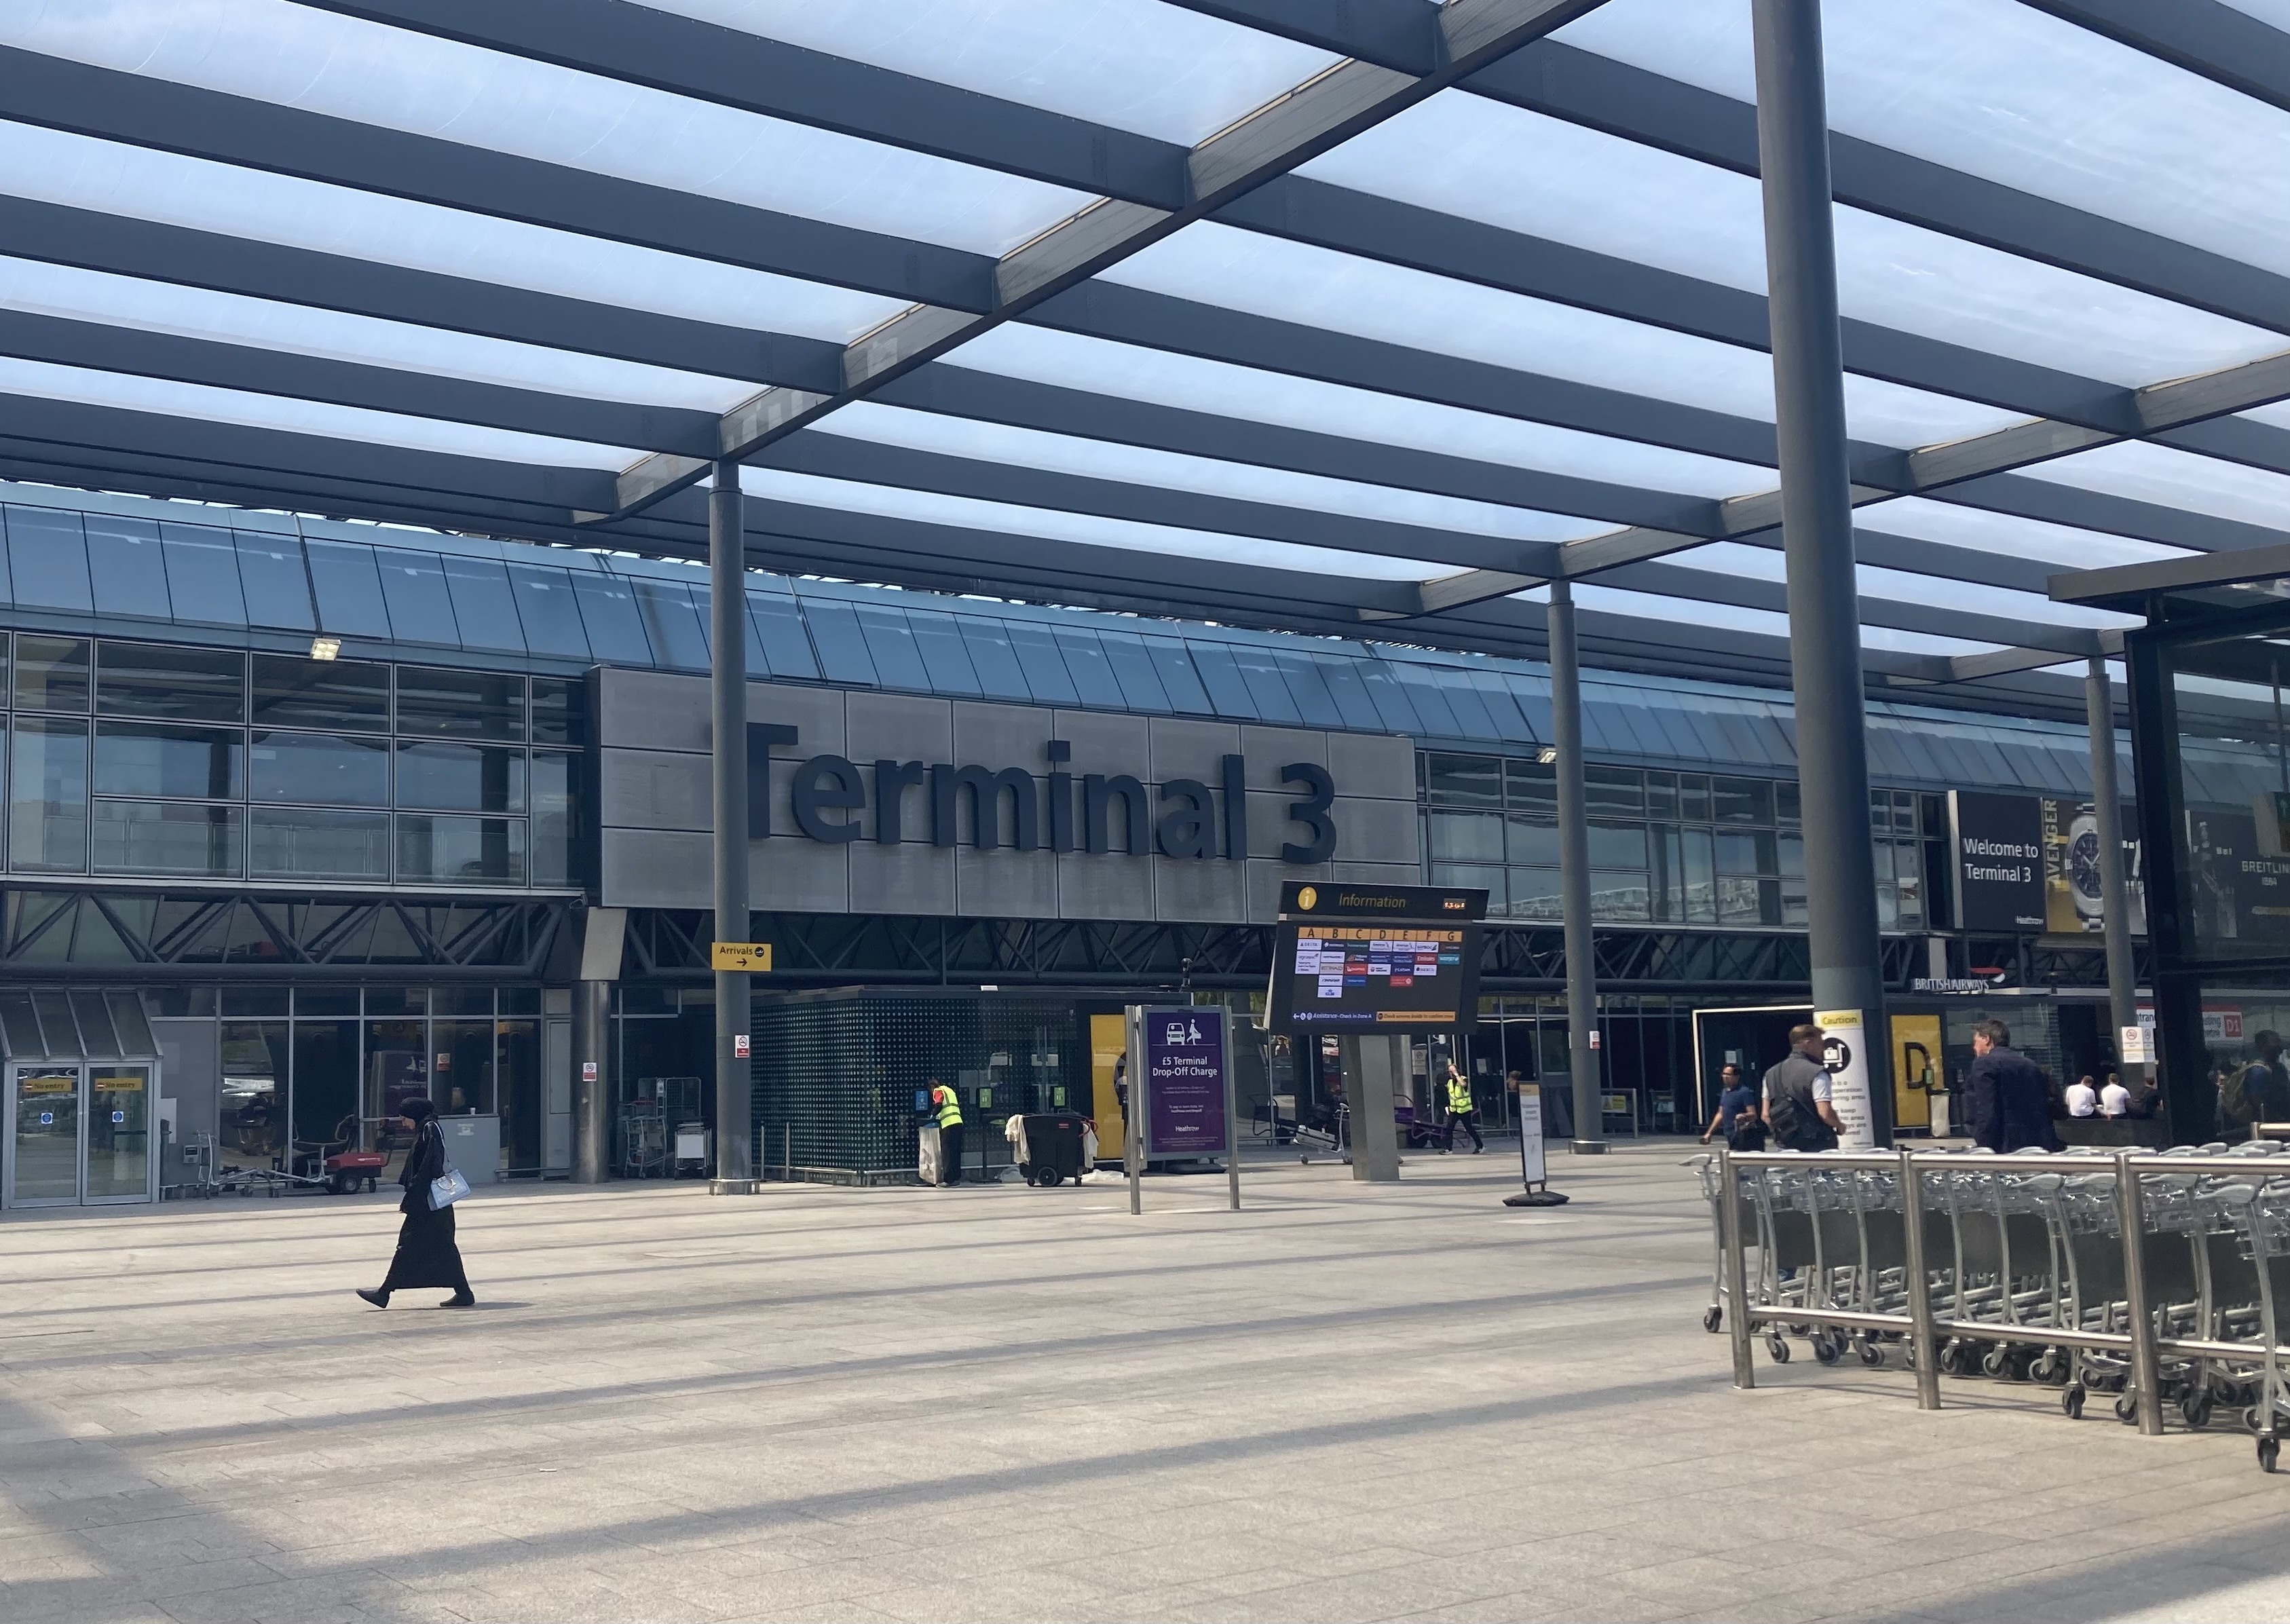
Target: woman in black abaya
x=427 y=1255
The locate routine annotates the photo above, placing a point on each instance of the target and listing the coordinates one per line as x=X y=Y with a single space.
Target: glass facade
x=1667 y=848
x=308 y=1070
x=134 y=758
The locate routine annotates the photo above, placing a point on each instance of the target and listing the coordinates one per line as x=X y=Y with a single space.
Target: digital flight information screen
x=1392 y=958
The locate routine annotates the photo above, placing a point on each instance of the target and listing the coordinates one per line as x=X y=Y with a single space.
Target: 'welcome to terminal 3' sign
x=830 y=794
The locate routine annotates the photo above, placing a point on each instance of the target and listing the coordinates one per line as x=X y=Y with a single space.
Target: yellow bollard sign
x=752 y=955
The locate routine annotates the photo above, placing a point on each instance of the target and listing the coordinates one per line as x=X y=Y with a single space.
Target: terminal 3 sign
x=837 y=801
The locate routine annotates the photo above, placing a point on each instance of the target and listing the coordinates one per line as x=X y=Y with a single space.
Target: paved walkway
x=1344 y=1402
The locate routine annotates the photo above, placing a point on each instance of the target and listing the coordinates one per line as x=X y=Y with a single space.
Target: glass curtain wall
x=2213 y=761
x=1666 y=848
x=151 y=759
x=307 y=1071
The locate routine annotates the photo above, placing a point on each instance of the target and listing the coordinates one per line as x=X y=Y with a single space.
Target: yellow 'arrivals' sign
x=754 y=956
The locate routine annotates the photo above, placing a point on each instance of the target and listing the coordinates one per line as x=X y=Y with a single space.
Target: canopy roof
x=1354 y=318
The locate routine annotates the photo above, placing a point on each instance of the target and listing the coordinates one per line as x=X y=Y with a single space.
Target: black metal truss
x=812 y=950
x=56 y=933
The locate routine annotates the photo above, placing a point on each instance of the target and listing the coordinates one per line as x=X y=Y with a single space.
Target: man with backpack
x=1799 y=1112
x=2258 y=1092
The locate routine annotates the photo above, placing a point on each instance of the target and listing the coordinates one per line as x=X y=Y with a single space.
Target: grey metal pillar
x=1372 y=1068
x=2113 y=893
x=592 y=1088
x=603 y=934
x=1817 y=530
x=1575 y=874
x=727 y=641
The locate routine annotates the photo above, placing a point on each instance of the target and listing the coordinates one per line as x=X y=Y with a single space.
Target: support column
x=1817 y=530
x=1372 y=1067
x=2113 y=893
x=592 y=1096
x=727 y=673
x=605 y=931
x=1574 y=875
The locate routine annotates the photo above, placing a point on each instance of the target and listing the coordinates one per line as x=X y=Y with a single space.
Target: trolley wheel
x=1993 y=1363
x=1955 y=1359
x=1778 y=1346
x=1712 y=1317
x=1827 y=1350
x=2269 y=1451
x=1872 y=1353
x=2126 y=1408
x=2251 y=1421
x=2071 y=1403
x=2051 y=1367
x=2195 y=1407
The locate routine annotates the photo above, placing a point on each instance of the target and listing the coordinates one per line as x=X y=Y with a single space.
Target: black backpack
x=1748 y=1133
x=1794 y=1123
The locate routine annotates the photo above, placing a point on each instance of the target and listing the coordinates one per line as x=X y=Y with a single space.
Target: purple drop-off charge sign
x=1184 y=1069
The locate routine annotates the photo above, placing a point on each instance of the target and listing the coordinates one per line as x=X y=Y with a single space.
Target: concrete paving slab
x=1347 y=1401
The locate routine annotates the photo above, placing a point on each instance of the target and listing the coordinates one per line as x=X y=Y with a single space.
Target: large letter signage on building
x=2000 y=861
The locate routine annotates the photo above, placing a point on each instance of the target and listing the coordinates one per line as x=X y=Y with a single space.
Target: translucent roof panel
x=1106 y=459
x=1220 y=389
x=1139 y=65
x=112 y=178
x=2273 y=12
x=968 y=513
x=351 y=423
x=2002 y=91
x=233 y=318
x=346 y=67
x=1998 y=532
x=1661 y=608
x=1464 y=154
x=2175 y=479
x=1299 y=282
x=1739 y=559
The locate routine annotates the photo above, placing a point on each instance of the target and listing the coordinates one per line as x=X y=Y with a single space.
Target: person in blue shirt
x=1735 y=1098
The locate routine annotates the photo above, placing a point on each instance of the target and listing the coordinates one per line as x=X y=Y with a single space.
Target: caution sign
x=1845 y=1052
x=754 y=956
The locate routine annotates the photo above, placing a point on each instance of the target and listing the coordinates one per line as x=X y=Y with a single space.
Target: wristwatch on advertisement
x=2083 y=868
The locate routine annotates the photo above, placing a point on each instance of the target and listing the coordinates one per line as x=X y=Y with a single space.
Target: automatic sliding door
x=118 y=1133
x=43 y=1160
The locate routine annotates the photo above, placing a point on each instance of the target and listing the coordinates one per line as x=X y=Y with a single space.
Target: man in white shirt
x=2083 y=1099
x=2114 y=1099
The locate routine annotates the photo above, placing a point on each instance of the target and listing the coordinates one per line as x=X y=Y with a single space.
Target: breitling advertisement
x=2072 y=903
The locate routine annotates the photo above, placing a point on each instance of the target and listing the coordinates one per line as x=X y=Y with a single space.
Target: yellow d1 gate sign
x=754 y=956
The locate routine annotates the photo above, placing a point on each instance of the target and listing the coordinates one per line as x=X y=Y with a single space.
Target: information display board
x=1386 y=958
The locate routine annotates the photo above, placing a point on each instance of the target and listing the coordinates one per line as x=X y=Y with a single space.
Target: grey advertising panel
x=873 y=803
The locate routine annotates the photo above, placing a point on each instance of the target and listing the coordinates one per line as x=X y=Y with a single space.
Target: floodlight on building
x=325 y=648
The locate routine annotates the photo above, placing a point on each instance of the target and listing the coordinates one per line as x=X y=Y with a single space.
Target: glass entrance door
x=44 y=1136
x=118 y=1166
x=78 y=1134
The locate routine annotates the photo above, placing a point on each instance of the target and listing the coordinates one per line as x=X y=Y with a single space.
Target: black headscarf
x=417 y=1110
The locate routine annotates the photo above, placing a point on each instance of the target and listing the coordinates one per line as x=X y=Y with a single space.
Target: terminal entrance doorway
x=78 y=1135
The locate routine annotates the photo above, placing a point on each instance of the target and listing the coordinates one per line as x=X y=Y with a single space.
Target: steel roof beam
x=287 y=374
x=1598 y=92
x=687 y=57
x=144 y=111
x=123 y=246
x=2203 y=37
x=1322 y=114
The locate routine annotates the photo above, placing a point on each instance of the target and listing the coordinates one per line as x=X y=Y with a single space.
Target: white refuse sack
x=926 y=1157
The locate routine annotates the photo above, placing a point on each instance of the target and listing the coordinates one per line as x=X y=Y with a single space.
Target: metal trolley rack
x=2150 y=1276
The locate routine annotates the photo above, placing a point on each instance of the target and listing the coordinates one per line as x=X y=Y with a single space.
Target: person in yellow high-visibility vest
x=947 y=1104
x=1460 y=1109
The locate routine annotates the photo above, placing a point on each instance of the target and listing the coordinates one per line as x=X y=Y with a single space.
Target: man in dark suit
x=2011 y=1100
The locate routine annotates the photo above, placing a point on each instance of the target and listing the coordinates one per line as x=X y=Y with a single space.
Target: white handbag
x=447 y=1188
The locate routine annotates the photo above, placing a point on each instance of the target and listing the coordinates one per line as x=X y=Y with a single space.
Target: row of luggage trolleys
x=2150 y=1276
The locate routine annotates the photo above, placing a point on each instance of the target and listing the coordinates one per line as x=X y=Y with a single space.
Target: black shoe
x=460 y=1299
x=380 y=1300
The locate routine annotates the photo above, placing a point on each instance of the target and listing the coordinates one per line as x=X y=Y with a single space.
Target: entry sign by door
x=1184 y=1082
x=1846 y=1054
